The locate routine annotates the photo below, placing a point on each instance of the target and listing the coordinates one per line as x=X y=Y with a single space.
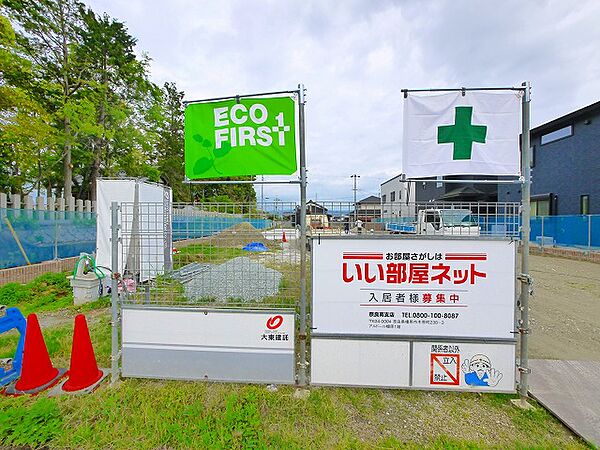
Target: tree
x=23 y=123
x=171 y=141
x=51 y=35
x=112 y=76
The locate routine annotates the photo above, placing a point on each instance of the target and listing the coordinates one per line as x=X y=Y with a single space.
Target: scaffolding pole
x=524 y=276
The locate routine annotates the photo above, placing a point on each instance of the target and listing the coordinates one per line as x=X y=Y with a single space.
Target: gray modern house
x=565 y=161
x=467 y=191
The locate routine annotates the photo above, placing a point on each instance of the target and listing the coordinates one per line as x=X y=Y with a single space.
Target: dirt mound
x=238 y=236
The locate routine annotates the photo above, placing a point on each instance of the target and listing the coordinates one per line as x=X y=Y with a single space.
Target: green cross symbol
x=462 y=134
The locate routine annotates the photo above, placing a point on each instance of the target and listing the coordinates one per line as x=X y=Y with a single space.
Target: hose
x=92 y=261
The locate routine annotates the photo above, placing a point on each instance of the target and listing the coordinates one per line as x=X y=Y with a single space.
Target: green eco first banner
x=256 y=136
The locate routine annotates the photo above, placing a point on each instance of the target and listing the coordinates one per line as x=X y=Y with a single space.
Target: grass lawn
x=175 y=414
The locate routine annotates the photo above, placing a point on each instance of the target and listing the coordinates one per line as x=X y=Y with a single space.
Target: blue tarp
x=45 y=235
x=256 y=247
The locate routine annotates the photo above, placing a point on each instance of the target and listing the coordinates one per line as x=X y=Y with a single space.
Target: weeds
x=31 y=426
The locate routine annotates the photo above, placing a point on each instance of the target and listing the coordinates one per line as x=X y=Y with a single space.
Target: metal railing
x=431 y=218
x=248 y=255
x=221 y=255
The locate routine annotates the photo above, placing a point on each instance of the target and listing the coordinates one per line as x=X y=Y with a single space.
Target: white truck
x=439 y=222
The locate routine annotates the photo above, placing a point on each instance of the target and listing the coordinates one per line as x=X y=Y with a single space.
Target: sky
x=354 y=57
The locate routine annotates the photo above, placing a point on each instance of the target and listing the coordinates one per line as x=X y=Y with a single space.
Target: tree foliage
x=77 y=103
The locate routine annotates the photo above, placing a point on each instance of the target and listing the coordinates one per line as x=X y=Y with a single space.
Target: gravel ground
x=230 y=281
x=565 y=309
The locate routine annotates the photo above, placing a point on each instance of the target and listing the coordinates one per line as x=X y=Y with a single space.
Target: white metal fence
x=246 y=259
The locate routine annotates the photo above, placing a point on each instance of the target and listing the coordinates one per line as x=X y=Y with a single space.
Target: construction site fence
x=577 y=231
x=33 y=236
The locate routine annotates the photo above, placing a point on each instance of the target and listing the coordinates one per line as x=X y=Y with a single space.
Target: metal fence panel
x=244 y=259
x=446 y=218
x=224 y=255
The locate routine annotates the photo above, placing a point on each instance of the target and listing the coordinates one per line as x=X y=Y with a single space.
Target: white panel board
x=151 y=231
x=212 y=328
x=108 y=191
x=354 y=362
x=464 y=366
x=414 y=287
x=222 y=345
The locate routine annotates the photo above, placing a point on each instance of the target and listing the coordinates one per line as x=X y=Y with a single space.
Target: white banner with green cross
x=475 y=133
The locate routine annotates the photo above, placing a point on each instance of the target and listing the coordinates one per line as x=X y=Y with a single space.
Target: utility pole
x=355 y=189
x=262 y=194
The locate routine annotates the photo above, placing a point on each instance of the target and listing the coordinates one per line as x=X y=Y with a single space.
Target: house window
x=532 y=156
x=393 y=196
x=584 y=204
x=558 y=134
x=540 y=207
x=383 y=198
x=439 y=183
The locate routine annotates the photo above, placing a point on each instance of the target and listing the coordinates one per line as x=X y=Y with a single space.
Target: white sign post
x=382 y=306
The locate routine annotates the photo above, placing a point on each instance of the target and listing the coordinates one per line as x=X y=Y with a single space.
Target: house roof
x=370 y=199
x=312 y=203
x=392 y=179
x=567 y=119
x=462 y=191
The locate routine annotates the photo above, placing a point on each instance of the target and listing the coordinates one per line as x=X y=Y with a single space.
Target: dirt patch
x=236 y=236
x=565 y=309
x=66 y=316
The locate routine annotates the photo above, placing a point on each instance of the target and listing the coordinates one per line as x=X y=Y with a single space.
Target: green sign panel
x=256 y=136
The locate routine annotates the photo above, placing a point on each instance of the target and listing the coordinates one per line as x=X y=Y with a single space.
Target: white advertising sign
x=464 y=366
x=216 y=329
x=197 y=344
x=353 y=362
x=414 y=287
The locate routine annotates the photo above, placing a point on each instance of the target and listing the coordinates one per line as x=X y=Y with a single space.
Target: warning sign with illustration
x=464 y=366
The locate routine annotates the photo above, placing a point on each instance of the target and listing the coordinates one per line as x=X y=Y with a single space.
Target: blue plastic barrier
x=572 y=231
x=13 y=319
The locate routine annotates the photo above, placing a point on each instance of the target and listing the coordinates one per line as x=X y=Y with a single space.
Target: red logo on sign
x=274 y=322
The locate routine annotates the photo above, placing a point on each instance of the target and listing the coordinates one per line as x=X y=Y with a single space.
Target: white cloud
x=355 y=56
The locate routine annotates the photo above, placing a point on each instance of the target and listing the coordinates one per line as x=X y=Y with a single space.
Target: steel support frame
x=114 y=294
x=525 y=181
x=302 y=181
x=524 y=277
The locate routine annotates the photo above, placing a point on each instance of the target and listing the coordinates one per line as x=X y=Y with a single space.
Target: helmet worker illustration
x=479 y=371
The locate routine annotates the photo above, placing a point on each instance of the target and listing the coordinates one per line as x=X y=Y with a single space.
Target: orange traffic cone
x=284 y=239
x=83 y=372
x=37 y=373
